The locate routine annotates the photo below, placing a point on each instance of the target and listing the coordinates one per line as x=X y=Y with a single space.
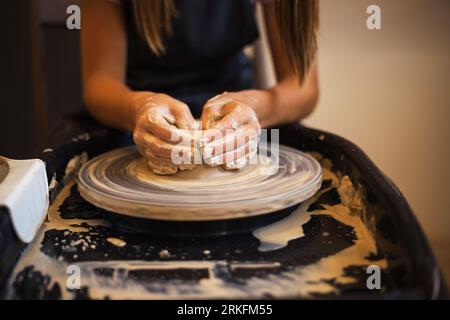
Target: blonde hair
x=153 y=17
x=297 y=23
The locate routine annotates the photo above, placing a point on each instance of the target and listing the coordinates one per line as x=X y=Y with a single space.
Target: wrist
x=264 y=105
x=137 y=105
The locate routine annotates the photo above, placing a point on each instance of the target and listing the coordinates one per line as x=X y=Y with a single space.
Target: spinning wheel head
x=120 y=182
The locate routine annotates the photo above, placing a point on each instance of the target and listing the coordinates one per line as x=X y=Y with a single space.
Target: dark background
x=40 y=74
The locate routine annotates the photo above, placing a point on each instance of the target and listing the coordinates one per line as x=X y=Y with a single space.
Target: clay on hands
x=162 y=123
x=232 y=130
x=165 y=127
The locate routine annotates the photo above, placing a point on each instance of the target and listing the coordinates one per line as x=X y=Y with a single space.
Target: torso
x=203 y=57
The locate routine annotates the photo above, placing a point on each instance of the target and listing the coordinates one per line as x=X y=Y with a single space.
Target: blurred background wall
x=389 y=92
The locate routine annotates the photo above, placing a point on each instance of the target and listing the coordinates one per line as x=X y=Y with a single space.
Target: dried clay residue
x=117 y=242
x=205 y=275
x=349 y=212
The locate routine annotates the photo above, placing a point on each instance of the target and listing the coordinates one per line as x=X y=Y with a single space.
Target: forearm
x=110 y=102
x=292 y=102
x=287 y=101
x=103 y=58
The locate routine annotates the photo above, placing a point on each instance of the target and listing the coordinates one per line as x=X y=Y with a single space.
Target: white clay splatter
x=164 y=254
x=299 y=281
x=117 y=242
x=74 y=165
x=277 y=235
x=53 y=183
x=82 y=137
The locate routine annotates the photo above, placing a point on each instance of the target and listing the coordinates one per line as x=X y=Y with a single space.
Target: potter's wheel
x=119 y=182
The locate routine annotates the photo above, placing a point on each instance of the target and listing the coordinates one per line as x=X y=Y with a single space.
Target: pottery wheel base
x=205 y=199
x=196 y=229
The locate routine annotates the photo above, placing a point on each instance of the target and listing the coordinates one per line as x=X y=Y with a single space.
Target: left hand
x=231 y=129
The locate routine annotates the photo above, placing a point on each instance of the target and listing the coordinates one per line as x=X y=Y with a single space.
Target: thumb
x=183 y=116
x=212 y=112
x=185 y=121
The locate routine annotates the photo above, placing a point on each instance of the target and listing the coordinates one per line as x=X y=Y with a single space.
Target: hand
x=161 y=124
x=231 y=129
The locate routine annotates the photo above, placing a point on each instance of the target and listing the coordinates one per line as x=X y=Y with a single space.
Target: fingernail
x=213 y=161
x=204 y=140
x=207 y=152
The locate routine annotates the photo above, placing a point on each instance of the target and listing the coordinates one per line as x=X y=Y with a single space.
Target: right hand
x=161 y=124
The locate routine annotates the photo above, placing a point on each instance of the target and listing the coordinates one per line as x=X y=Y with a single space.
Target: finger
x=250 y=158
x=232 y=139
x=218 y=132
x=160 y=126
x=234 y=154
x=216 y=110
x=211 y=111
x=220 y=97
x=234 y=116
x=162 y=149
x=209 y=118
x=245 y=142
x=231 y=120
x=183 y=116
x=215 y=104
